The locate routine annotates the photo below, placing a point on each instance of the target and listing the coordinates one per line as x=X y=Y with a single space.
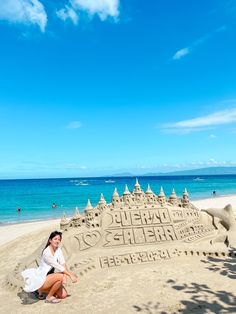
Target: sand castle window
x=96 y=214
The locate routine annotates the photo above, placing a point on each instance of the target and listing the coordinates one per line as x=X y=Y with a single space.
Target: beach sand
x=216 y=202
x=10 y=232
x=181 y=285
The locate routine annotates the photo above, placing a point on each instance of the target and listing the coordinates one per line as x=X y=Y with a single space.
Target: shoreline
x=12 y=231
x=197 y=200
x=9 y=233
x=11 y=223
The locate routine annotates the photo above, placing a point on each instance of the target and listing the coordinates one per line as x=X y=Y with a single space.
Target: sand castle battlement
x=137 y=218
x=130 y=202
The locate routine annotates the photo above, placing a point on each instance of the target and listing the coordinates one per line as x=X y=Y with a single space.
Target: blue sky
x=92 y=87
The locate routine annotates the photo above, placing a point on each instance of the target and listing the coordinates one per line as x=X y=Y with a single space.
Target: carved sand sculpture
x=138 y=228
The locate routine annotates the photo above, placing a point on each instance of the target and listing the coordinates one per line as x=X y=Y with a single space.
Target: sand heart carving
x=91 y=238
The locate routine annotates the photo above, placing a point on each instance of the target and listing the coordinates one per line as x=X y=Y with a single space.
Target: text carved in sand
x=140 y=235
x=133 y=258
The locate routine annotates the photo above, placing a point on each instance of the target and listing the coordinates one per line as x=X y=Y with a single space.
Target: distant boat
x=110 y=181
x=198 y=179
x=81 y=183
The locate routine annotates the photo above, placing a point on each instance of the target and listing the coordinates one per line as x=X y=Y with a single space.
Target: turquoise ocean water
x=35 y=197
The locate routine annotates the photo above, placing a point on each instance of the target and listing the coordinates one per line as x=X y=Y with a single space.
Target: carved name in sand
x=143 y=226
x=138 y=228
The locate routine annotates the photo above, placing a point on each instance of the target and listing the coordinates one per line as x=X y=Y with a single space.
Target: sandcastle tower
x=92 y=215
x=76 y=214
x=102 y=200
x=149 y=194
x=138 y=193
x=64 y=224
x=162 y=197
x=126 y=195
x=102 y=203
x=88 y=207
x=115 y=198
x=185 y=198
x=76 y=219
x=173 y=198
x=88 y=213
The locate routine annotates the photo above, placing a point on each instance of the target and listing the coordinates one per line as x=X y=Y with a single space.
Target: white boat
x=110 y=181
x=81 y=183
x=198 y=179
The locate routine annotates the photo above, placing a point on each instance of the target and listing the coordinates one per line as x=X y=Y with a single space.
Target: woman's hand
x=73 y=278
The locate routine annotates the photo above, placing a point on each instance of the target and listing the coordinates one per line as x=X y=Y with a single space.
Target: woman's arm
x=69 y=274
x=49 y=259
x=62 y=261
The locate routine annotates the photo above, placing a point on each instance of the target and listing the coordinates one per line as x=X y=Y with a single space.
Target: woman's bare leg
x=61 y=293
x=49 y=283
x=54 y=288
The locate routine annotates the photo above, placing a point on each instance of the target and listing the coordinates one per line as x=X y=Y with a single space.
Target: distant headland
x=192 y=172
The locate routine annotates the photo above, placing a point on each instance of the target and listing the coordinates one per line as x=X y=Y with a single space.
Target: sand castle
x=138 y=228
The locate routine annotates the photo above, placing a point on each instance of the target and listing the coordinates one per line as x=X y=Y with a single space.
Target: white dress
x=34 y=278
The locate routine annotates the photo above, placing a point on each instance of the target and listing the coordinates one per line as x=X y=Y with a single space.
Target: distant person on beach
x=214 y=193
x=49 y=278
x=54 y=205
x=18 y=209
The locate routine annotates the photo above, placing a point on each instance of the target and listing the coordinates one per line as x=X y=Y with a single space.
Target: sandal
x=53 y=300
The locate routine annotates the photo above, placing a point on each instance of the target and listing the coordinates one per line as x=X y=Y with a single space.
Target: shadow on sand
x=27 y=298
x=201 y=298
x=225 y=267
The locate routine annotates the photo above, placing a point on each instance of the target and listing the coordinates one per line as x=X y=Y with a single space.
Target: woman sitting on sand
x=43 y=279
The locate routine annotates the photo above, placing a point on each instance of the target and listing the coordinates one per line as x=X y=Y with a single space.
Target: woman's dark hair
x=52 y=235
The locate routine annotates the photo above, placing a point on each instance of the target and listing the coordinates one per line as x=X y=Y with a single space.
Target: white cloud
x=24 y=11
x=213 y=161
x=182 y=131
x=33 y=12
x=68 y=13
x=74 y=125
x=212 y=136
x=103 y=8
x=74 y=165
x=203 y=123
x=181 y=53
x=185 y=51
